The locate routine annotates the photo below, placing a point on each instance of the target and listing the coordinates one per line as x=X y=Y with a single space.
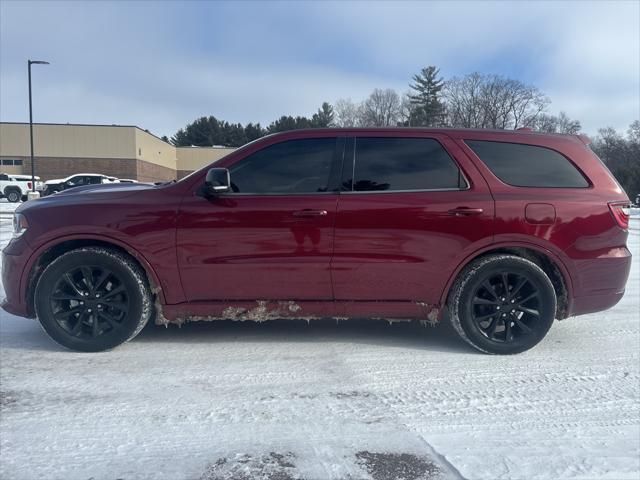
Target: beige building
x=121 y=151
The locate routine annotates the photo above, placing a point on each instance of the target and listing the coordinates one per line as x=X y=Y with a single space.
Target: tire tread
x=129 y=264
x=466 y=275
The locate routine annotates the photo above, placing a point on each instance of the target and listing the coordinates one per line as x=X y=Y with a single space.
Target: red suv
x=503 y=230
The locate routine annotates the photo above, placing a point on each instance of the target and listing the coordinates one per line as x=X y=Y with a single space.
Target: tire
x=13 y=195
x=117 y=296
x=502 y=304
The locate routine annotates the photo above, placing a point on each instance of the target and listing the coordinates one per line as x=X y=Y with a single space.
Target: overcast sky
x=160 y=65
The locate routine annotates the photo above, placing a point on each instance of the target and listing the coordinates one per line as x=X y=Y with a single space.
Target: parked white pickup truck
x=15 y=187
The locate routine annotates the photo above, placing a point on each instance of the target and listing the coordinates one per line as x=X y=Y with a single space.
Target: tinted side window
x=404 y=164
x=294 y=166
x=528 y=165
x=75 y=181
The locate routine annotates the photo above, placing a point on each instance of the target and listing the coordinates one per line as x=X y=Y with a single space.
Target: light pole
x=33 y=169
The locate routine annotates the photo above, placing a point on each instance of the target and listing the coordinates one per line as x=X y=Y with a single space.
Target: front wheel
x=93 y=299
x=13 y=195
x=502 y=304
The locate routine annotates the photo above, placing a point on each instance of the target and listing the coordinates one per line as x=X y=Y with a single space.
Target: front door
x=409 y=215
x=272 y=237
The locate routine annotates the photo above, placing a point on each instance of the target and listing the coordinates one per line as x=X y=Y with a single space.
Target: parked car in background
x=505 y=231
x=127 y=180
x=15 y=187
x=77 y=180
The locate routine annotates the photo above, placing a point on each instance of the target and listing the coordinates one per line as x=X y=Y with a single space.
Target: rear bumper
x=601 y=281
x=595 y=303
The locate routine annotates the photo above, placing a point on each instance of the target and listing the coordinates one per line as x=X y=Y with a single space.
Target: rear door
x=411 y=210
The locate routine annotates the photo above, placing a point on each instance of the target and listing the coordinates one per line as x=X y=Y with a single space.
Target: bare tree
x=347 y=113
x=560 y=124
x=492 y=101
x=622 y=155
x=634 y=132
x=381 y=109
x=406 y=113
x=546 y=123
x=566 y=125
x=463 y=98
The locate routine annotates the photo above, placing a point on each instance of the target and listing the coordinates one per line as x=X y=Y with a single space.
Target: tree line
x=474 y=100
x=621 y=153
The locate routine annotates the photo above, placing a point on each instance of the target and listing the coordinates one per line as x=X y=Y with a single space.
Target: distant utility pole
x=33 y=169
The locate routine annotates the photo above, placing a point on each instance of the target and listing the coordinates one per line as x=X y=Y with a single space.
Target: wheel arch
x=549 y=262
x=49 y=251
x=12 y=188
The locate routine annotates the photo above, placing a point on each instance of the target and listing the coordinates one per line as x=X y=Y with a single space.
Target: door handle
x=310 y=213
x=465 y=212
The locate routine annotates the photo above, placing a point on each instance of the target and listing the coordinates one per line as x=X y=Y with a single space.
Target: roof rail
x=585 y=139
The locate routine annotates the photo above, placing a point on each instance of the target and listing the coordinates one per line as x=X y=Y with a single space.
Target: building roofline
x=212 y=147
x=88 y=125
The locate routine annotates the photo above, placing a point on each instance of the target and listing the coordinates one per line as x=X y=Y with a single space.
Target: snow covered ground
x=354 y=400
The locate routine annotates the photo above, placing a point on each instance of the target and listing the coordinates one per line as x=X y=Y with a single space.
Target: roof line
x=88 y=125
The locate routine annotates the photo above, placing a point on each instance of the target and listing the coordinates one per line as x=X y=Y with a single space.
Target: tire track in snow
x=371 y=402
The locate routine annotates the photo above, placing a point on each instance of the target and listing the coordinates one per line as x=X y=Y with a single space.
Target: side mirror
x=217 y=181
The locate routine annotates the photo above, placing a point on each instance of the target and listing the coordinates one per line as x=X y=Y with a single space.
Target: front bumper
x=14 y=261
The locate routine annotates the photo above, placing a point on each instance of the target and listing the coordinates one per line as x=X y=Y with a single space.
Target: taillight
x=29 y=185
x=621 y=211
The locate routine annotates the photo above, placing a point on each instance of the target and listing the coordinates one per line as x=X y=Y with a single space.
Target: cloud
x=160 y=65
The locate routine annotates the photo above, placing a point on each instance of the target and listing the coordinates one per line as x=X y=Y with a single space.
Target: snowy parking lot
x=350 y=400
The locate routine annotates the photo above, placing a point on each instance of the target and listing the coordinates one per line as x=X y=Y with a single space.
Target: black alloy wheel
x=89 y=301
x=506 y=307
x=93 y=299
x=502 y=304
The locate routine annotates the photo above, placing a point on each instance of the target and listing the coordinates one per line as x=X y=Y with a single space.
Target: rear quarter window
x=528 y=165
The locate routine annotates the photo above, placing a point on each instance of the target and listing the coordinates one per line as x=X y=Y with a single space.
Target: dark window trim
x=337 y=164
x=369 y=192
x=571 y=162
x=348 y=165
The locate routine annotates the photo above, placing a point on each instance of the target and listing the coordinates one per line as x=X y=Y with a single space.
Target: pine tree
x=287 y=122
x=253 y=131
x=427 y=108
x=324 y=117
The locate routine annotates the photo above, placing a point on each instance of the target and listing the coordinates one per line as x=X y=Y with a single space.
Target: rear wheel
x=93 y=299
x=502 y=304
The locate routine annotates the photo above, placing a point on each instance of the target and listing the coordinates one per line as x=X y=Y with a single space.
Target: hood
x=101 y=193
x=114 y=189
